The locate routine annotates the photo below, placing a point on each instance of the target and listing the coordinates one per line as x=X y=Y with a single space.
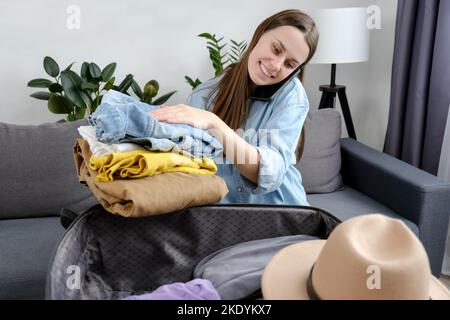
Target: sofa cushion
x=26 y=247
x=37 y=171
x=320 y=164
x=347 y=203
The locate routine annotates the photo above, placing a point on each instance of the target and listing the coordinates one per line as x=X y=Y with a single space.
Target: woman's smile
x=265 y=70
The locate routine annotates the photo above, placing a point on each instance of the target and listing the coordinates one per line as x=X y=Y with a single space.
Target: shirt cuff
x=271 y=172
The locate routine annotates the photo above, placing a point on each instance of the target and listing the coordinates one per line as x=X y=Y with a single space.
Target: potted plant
x=80 y=94
x=219 y=60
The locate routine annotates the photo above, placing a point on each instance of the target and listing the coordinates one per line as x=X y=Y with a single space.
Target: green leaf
x=163 y=98
x=41 y=95
x=76 y=79
x=51 y=67
x=233 y=58
x=126 y=83
x=84 y=70
x=88 y=85
x=136 y=89
x=69 y=66
x=237 y=45
x=151 y=89
x=79 y=113
x=108 y=71
x=207 y=36
x=235 y=51
x=71 y=83
x=94 y=70
x=193 y=83
x=110 y=84
x=55 y=88
x=86 y=99
x=96 y=103
x=71 y=117
x=213 y=54
x=214 y=46
x=189 y=80
x=59 y=104
x=39 y=83
x=216 y=60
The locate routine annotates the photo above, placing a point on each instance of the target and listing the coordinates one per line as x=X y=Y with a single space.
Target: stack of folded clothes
x=136 y=166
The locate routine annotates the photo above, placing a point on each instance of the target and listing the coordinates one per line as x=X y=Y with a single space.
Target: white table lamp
x=344 y=38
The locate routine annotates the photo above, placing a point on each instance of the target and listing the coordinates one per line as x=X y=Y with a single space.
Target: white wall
x=157 y=40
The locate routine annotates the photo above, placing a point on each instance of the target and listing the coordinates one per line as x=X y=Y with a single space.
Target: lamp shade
x=344 y=35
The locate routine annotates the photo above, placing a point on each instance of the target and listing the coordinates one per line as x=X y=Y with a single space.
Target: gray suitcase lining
x=116 y=256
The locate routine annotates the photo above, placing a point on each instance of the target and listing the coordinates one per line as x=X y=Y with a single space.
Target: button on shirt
x=273 y=127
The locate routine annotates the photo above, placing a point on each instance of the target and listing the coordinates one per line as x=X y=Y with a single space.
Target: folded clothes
x=197 y=289
x=139 y=164
x=158 y=194
x=121 y=118
x=99 y=149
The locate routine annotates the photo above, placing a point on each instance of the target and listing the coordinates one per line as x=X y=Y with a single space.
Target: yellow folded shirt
x=142 y=163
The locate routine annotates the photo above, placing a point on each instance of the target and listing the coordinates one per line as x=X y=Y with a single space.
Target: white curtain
x=444 y=174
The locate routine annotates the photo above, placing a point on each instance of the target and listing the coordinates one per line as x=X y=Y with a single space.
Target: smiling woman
x=256 y=109
x=270 y=62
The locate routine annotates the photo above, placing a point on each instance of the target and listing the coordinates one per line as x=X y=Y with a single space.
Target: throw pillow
x=37 y=171
x=320 y=164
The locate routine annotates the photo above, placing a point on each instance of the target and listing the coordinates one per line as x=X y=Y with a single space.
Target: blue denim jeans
x=122 y=118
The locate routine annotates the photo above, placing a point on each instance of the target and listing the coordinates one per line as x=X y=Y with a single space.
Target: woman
x=256 y=109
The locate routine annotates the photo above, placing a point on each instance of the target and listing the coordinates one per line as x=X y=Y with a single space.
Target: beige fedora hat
x=370 y=257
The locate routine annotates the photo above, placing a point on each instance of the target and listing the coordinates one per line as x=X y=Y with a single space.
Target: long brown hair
x=233 y=90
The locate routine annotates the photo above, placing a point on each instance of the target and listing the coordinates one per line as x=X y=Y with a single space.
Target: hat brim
x=437 y=290
x=286 y=275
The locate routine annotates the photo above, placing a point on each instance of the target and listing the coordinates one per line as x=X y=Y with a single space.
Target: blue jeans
x=122 y=118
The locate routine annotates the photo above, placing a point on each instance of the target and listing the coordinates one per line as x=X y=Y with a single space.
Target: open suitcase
x=103 y=256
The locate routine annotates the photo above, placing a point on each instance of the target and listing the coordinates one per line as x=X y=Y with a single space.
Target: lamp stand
x=328 y=100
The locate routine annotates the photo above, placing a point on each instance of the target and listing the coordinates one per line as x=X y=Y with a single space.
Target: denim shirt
x=273 y=127
x=121 y=119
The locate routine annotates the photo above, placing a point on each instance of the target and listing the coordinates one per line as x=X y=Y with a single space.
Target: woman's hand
x=234 y=146
x=181 y=113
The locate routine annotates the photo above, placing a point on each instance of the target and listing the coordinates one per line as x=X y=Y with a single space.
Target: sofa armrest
x=413 y=193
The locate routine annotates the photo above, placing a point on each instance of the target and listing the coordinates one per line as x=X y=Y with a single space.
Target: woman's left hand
x=182 y=113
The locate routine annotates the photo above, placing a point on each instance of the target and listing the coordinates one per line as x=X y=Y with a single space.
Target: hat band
x=312 y=293
x=310 y=288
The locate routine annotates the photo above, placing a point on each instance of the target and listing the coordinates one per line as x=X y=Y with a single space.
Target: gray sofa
x=38 y=179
